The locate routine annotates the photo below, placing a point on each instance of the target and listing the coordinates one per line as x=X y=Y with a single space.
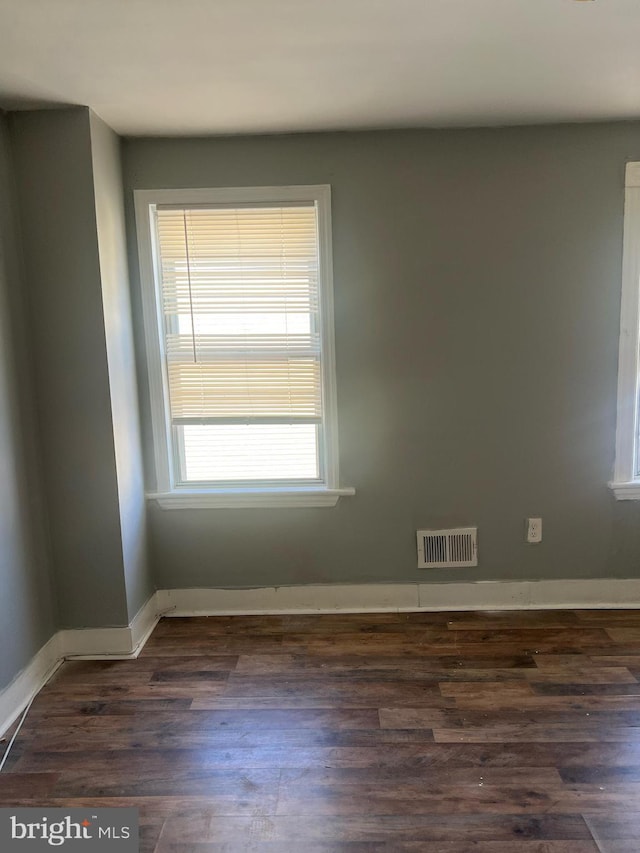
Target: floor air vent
x=442 y=549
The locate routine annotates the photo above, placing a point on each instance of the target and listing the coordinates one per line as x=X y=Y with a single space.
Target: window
x=238 y=308
x=626 y=481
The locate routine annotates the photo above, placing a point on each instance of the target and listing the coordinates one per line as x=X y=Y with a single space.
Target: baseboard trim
x=17 y=695
x=371 y=598
x=96 y=643
x=143 y=624
x=81 y=644
x=112 y=643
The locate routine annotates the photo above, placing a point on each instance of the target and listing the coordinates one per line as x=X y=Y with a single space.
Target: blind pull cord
x=193 y=322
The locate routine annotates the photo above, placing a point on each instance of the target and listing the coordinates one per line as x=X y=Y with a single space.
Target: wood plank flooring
x=452 y=733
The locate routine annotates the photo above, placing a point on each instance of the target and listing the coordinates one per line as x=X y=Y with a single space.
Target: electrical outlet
x=534 y=530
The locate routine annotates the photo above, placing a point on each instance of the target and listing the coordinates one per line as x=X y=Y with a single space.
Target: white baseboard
x=96 y=642
x=143 y=623
x=85 y=644
x=594 y=594
x=112 y=643
x=17 y=695
x=372 y=598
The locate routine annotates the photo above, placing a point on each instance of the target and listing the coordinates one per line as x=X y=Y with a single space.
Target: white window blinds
x=242 y=341
x=240 y=304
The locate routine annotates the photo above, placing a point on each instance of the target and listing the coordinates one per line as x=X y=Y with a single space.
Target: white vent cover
x=443 y=549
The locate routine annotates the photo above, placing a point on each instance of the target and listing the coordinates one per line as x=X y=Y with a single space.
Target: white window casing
x=626 y=479
x=238 y=311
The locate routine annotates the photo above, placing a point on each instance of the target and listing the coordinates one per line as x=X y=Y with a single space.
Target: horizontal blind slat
x=286 y=387
x=211 y=347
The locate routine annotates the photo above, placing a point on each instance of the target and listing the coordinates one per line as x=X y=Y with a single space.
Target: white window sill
x=249 y=498
x=626 y=491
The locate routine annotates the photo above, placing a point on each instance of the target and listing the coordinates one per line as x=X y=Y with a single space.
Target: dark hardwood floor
x=456 y=733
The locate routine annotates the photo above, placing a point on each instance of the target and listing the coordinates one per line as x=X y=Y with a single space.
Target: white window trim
x=167 y=493
x=626 y=481
x=249 y=498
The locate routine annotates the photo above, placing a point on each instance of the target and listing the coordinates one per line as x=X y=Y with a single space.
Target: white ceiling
x=236 y=66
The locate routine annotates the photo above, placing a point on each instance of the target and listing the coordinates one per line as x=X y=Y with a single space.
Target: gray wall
x=27 y=603
x=477 y=293
x=55 y=189
x=107 y=177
